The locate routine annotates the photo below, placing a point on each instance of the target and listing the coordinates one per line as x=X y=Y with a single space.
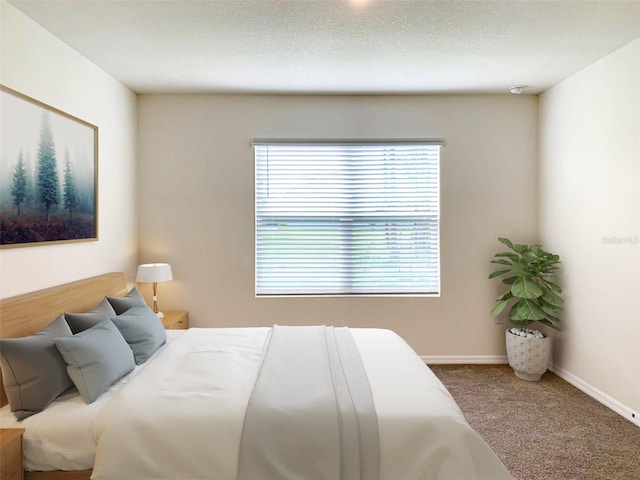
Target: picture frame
x=48 y=174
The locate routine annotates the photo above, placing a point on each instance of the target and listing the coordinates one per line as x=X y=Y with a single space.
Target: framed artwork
x=48 y=174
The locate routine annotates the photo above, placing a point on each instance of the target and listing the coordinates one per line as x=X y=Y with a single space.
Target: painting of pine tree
x=48 y=174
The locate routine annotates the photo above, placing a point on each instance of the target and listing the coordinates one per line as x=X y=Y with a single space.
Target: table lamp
x=154 y=273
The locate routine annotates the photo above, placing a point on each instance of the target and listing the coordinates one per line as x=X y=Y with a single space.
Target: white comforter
x=59 y=438
x=182 y=417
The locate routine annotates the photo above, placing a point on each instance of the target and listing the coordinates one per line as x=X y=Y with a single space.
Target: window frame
x=430 y=143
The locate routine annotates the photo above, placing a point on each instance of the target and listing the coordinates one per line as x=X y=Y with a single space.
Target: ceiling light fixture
x=517 y=89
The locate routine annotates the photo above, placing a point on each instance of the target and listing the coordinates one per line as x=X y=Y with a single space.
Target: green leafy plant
x=531 y=294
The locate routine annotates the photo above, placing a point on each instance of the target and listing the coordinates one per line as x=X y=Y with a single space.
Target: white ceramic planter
x=529 y=357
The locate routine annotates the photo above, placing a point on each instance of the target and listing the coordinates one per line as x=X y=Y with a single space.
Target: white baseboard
x=462 y=359
x=600 y=396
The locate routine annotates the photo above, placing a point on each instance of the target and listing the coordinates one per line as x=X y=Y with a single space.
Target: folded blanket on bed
x=311 y=413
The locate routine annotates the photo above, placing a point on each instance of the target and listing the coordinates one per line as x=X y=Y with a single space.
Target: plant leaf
x=549 y=324
x=515 y=314
x=498 y=273
x=497 y=310
x=548 y=308
x=549 y=297
x=501 y=262
x=556 y=288
x=507 y=242
x=512 y=256
x=528 y=310
x=521 y=249
x=523 y=287
x=553 y=318
x=521 y=269
x=505 y=296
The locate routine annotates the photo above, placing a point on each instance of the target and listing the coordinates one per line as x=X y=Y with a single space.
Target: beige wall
x=590 y=214
x=196 y=205
x=37 y=64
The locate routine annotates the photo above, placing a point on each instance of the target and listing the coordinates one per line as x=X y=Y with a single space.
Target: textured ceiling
x=305 y=46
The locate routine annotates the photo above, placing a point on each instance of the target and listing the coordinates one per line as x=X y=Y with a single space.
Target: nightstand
x=177 y=320
x=11 y=454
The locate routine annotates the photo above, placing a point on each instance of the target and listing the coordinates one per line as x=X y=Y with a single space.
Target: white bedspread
x=423 y=434
x=182 y=416
x=59 y=437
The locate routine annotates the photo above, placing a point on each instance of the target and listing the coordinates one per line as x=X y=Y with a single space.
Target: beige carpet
x=547 y=430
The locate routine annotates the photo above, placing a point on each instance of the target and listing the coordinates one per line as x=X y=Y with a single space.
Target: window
x=347 y=218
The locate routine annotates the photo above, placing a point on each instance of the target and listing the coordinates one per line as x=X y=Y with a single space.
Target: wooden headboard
x=29 y=313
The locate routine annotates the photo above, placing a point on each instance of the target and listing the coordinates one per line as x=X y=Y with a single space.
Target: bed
x=239 y=403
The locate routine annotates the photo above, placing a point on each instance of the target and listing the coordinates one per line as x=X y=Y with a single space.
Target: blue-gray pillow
x=33 y=372
x=79 y=322
x=143 y=331
x=96 y=358
x=131 y=299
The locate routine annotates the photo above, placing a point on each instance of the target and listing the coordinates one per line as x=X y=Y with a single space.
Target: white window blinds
x=347 y=218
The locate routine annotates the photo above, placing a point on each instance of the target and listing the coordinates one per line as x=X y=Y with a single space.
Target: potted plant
x=531 y=296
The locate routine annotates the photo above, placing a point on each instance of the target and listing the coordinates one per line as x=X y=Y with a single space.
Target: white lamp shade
x=154 y=272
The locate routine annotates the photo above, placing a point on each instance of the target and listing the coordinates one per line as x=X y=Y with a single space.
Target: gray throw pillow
x=33 y=372
x=143 y=331
x=131 y=299
x=96 y=358
x=79 y=322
